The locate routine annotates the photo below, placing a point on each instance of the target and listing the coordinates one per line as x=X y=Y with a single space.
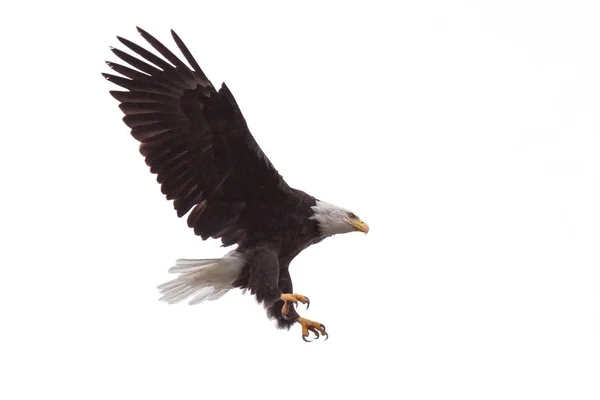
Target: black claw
x=316 y=332
x=325 y=332
x=304 y=338
x=307 y=303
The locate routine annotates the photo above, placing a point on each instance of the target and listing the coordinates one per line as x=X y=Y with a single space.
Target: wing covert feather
x=194 y=138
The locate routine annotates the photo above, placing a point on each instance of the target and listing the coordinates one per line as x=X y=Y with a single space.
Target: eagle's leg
x=283 y=310
x=292 y=299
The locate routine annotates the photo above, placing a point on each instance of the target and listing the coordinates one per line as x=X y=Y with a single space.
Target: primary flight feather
x=196 y=140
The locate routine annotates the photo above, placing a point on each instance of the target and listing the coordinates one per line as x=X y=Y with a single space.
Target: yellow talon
x=312 y=326
x=289 y=298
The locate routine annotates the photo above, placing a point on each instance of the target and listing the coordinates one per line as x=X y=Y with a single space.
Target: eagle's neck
x=331 y=219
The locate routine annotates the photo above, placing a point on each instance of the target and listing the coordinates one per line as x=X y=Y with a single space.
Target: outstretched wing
x=194 y=138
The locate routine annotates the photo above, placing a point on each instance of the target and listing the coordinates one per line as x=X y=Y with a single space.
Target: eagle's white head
x=333 y=219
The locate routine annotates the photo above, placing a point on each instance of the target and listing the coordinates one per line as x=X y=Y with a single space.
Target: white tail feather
x=207 y=279
x=182 y=266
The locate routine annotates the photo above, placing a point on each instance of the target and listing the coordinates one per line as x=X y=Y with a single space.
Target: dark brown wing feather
x=195 y=139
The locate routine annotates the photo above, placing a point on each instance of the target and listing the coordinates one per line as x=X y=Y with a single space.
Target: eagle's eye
x=352 y=215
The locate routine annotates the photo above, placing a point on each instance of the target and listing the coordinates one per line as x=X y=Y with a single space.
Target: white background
x=465 y=133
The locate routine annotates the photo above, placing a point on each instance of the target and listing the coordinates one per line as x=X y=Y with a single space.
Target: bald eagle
x=196 y=140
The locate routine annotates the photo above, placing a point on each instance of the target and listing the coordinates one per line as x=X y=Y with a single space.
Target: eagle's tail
x=206 y=279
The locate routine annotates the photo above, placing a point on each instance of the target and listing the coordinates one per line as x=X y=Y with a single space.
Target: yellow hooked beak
x=360 y=226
